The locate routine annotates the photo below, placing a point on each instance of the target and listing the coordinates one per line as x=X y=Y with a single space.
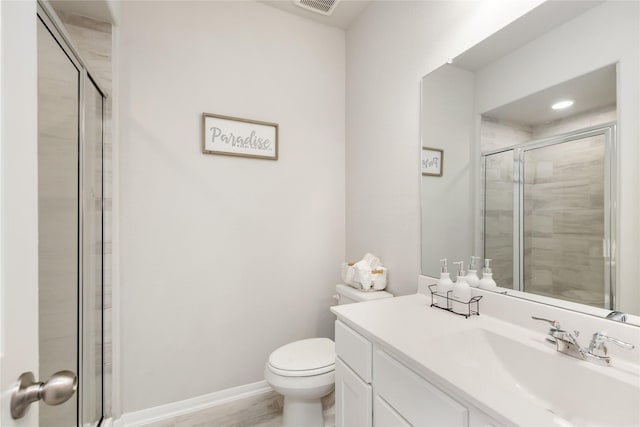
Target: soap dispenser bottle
x=472 y=276
x=461 y=289
x=487 y=281
x=444 y=285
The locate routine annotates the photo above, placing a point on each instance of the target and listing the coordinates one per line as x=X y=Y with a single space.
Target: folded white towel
x=372 y=260
x=363 y=274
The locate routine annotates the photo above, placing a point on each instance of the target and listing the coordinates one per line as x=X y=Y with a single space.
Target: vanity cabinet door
x=415 y=399
x=385 y=416
x=355 y=350
x=353 y=398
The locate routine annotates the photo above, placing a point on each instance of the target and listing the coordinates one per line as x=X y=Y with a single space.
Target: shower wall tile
x=542 y=227
x=564 y=222
x=83 y=23
x=496 y=134
x=544 y=171
x=579 y=121
x=93 y=39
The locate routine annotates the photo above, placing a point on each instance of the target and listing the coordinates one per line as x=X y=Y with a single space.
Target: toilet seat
x=307 y=373
x=305 y=358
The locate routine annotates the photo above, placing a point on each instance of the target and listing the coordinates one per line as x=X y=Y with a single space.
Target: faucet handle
x=598 y=339
x=554 y=323
x=555 y=331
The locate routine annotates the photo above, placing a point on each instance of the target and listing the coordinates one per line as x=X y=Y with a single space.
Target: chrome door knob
x=56 y=390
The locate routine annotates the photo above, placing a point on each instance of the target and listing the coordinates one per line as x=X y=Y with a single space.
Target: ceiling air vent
x=323 y=7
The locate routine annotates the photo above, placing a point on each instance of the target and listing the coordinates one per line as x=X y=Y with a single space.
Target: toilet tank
x=347 y=295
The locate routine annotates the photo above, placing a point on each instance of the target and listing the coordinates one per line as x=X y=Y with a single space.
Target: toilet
x=304 y=371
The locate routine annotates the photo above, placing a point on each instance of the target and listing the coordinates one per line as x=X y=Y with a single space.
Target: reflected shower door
x=498 y=215
x=564 y=215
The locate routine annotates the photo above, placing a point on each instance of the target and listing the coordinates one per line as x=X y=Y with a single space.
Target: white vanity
x=403 y=363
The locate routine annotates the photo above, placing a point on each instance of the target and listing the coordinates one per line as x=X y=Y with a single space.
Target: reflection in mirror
x=547 y=183
x=499 y=216
x=542 y=189
x=562 y=215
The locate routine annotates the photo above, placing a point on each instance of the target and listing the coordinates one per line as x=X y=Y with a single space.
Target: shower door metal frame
x=483 y=209
x=608 y=130
x=47 y=15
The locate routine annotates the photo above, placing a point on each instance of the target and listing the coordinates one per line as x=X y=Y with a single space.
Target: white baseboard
x=195 y=404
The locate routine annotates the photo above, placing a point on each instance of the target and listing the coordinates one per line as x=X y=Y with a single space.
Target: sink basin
x=574 y=392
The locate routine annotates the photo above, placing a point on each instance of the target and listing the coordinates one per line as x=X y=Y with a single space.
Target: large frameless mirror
x=548 y=191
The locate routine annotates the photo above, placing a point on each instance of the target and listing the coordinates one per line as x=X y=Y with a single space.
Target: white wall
x=223 y=258
x=601 y=36
x=389 y=49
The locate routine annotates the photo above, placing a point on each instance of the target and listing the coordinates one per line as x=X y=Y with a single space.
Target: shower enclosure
x=548 y=216
x=70 y=224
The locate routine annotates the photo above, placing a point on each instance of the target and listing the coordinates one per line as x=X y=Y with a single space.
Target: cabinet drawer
x=417 y=401
x=355 y=350
x=353 y=398
x=385 y=416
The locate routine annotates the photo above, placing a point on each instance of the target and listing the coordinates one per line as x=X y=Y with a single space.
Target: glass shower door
x=564 y=216
x=498 y=216
x=58 y=219
x=70 y=228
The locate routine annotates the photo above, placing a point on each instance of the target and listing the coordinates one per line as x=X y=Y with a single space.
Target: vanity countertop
x=415 y=333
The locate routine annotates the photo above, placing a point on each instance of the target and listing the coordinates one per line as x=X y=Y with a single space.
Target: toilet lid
x=306 y=357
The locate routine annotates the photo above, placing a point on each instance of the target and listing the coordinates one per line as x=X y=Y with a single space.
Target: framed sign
x=431 y=161
x=232 y=136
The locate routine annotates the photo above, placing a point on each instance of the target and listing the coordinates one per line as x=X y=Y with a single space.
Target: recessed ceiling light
x=562 y=104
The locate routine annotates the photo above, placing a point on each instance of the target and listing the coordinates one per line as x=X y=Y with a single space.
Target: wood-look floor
x=264 y=410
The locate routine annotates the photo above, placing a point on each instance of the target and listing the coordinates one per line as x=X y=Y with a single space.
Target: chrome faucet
x=567 y=343
x=618 y=316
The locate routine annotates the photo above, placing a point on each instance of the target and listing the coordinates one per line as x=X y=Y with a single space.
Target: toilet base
x=303 y=389
x=298 y=412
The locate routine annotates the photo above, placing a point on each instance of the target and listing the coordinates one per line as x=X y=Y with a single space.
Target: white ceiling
x=590 y=91
x=345 y=12
x=525 y=29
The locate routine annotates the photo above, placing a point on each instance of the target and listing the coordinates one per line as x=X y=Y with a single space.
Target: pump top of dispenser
x=472 y=264
x=487 y=269
x=444 y=269
x=461 y=272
